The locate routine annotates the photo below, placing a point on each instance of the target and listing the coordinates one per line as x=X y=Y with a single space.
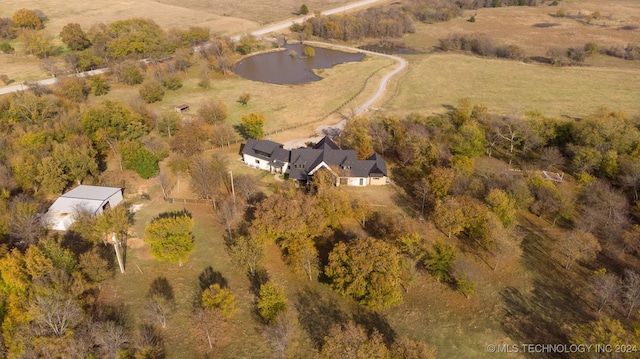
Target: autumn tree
x=355 y=135
x=112 y=121
x=212 y=312
x=272 y=301
x=350 y=341
x=160 y=300
x=604 y=332
x=137 y=38
x=128 y=72
x=151 y=91
x=368 y=271
x=187 y=140
x=252 y=125
x=246 y=252
x=579 y=246
x=220 y=298
x=405 y=348
x=73 y=88
x=213 y=111
x=37 y=44
x=74 y=37
x=27 y=19
x=170 y=237
x=502 y=205
x=439 y=261
x=449 y=217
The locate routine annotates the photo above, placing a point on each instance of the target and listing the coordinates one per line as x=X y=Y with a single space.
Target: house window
x=298 y=165
x=346 y=167
x=258 y=161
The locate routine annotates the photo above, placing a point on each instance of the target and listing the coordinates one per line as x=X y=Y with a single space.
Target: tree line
x=393 y=21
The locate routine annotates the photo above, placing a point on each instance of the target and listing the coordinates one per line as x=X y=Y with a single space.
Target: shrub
x=309 y=51
x=172 y=82
x=590 y=48
x=304 y=10
x=27 y=19
x=151 y=91
x=6 y=48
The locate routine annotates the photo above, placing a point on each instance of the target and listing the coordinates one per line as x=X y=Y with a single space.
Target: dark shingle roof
x=303 y=160
x=265 y=149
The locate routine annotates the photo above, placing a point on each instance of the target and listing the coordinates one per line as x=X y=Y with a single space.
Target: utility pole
x=233 y=190
x=116 y=245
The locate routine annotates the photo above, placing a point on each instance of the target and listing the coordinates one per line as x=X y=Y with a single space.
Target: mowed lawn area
x=440 y=80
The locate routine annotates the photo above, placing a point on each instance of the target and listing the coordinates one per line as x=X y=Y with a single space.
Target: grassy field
x=440 y=80
x=282 y=105
x=521 y=26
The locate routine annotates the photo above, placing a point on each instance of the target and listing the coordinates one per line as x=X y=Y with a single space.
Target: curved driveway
x=402 y=64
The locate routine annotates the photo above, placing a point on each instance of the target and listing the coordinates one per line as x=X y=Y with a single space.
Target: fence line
x=188 y=200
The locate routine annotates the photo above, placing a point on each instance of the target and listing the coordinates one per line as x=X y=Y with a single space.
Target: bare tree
x=279 y=333
x=228 y=213
x=56 y=314
x=630 y=291
x=26 y=225
x=110 y=338
x=605 y=287
x=160 y=300
x=164 y=180
x=208 y=322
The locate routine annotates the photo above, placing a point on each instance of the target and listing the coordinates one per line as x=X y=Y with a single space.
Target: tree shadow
x=75 y=242
x=241 y=131
x=209 y=277
x=174 y=214
x=257 y=279
x=160 y=286
x=375 y=321
x=556 y=300
x=317 y=315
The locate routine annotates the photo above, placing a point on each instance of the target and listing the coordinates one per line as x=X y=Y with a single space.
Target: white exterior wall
x=261 y=164
x=355 y=181
x=115 y=199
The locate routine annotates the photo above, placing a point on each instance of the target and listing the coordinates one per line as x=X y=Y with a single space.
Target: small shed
x=92 y=199
x=182 y=108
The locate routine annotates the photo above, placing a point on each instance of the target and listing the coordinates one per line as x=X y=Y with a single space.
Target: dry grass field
x=440 y=80
x=521 y=26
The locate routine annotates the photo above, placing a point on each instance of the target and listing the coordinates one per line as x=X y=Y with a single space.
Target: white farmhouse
x=301 y=163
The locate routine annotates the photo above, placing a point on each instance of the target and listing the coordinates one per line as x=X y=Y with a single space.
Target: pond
x=279 y=67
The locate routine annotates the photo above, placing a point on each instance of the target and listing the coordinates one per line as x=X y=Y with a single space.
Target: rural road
x=47 y=82
x=299 y=20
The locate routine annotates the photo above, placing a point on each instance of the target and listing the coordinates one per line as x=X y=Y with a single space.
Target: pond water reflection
x=281 y=68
